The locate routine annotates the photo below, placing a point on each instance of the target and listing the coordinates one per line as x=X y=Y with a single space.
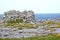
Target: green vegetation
x=20 y=24
x=49 y=22
x=26 y=25
x=16 y=21
x=48 y=37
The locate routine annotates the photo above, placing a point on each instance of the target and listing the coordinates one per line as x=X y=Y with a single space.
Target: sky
x=38 y=6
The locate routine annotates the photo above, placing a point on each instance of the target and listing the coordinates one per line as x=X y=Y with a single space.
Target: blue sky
x=38 y=6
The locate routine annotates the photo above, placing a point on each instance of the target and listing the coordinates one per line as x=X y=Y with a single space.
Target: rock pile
x=27 y=16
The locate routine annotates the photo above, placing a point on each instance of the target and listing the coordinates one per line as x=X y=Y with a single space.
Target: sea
x=47 y=16
x=39 y=16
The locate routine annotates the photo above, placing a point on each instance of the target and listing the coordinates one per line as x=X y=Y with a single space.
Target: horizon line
x=42 y=13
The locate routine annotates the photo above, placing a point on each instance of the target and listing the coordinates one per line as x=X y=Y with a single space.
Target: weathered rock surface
x=15 y=33
x=27 y=16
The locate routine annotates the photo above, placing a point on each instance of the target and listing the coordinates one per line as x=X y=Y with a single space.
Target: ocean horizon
x=47 y=16
x=42 y=16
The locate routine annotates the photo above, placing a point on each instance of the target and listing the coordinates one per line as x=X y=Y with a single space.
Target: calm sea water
x=1 y=16
x=42 y=16
x=46 y=16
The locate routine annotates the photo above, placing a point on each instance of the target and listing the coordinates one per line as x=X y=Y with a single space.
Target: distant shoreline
x=42 y=16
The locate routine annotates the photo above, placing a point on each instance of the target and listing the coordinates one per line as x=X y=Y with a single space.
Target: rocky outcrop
x=16 y=33
x=27 y=16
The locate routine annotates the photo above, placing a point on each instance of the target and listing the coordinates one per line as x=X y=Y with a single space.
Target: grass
x=48 y=37
x=21 y=25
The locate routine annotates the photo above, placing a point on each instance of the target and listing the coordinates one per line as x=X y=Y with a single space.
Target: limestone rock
x=27 y=16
